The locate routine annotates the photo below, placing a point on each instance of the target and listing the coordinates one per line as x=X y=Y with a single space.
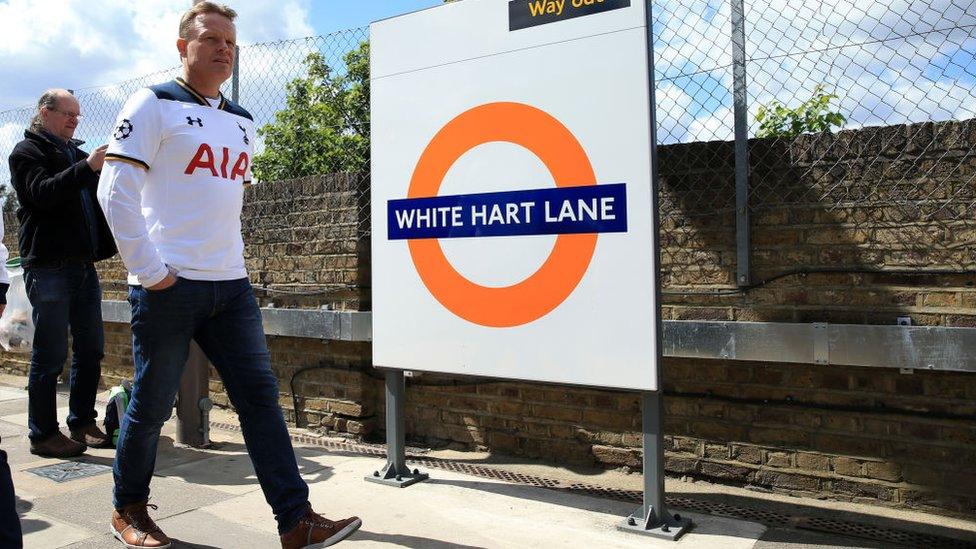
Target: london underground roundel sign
x=565 y=266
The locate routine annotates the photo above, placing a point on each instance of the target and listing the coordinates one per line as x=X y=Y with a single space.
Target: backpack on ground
x=118 y=401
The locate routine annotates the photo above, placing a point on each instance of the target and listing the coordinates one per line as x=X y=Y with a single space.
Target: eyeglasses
x=75 y=115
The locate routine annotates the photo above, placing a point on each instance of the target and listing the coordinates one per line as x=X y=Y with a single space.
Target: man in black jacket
x=62 y=233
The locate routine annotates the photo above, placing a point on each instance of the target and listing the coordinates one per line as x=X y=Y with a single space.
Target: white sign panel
x=511 y=192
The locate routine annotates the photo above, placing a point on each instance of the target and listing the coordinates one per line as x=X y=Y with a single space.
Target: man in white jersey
x=172 y=189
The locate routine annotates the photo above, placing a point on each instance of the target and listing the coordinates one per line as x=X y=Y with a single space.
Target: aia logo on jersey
x=205 y=159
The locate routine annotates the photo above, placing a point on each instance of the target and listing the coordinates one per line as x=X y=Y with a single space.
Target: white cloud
x=717 y=126
x=10 y=132
x=73 y=44
x=673 y=113
x=889 y=61
x=76 y=44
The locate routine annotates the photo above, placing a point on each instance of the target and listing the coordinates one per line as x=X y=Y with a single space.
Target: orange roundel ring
x=570 y=257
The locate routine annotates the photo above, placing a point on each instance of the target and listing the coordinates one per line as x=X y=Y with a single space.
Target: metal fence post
x=193 y=404
x=396 y=472
x=235 y=79
x=741 y=117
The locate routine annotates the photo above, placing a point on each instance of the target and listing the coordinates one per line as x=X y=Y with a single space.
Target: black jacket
x=53 y=223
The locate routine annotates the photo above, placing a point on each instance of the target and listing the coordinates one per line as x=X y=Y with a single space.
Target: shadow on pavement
x=177 y=544
x=415 y=542
x=204 y=468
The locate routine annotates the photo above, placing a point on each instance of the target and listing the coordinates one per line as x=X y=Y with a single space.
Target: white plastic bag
x=16 y=325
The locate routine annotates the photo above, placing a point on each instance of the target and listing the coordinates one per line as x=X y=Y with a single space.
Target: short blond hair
x=200 y=8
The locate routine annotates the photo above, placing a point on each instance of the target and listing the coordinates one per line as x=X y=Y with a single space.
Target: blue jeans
x=224 y=319
x=63 y=296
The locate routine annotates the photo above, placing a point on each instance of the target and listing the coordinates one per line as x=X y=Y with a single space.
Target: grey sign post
x=653 y=518
x=396 y=472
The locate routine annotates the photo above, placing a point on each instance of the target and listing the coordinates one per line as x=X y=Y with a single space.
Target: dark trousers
x=10 y=535
x=63 y=296
x=224 y=319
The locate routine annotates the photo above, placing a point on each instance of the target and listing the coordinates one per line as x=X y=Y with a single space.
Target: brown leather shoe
x=132 y=526
x=90 y=435
x=57 y=446
x=315 y=531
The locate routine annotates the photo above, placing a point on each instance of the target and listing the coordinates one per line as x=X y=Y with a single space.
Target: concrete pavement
x=211 y=498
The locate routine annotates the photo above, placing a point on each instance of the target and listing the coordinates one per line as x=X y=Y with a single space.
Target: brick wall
x=864 y=434
x=888 y=201
x=305 y=248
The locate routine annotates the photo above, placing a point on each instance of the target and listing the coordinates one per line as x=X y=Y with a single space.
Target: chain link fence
x=99 y=107
x=266 y=84
x=825 y=134
x=856 y=136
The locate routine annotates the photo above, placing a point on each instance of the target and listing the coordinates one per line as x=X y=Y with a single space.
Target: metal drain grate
x=868 y=531
x=486 y=472
x=768 y=518
x=69 y=470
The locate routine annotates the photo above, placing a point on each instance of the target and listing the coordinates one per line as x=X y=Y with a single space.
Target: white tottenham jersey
x=173 y=184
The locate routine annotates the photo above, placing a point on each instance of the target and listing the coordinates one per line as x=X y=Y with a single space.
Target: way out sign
x=512 y=208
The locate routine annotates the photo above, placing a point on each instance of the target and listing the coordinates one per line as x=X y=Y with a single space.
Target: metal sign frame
x=536 y=138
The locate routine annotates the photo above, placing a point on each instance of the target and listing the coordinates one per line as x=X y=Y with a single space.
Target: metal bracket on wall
x=905 y=321
x=305 y=323
x=904 y=346
x=821 y=347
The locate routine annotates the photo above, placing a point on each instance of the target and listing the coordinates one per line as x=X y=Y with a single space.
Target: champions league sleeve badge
x=124 y=130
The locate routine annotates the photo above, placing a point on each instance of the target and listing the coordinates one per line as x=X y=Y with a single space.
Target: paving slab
x=8 y=429
x=11 y=393
x=455 y=510
x=32 y=487
x=202 y=529
x=101 y=541
x=13 y=407
x=196 y=530
x=92 y=508
x=42 y=531
x=229 y=469
x=210 y=498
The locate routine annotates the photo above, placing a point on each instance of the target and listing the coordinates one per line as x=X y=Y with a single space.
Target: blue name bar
x=560 y=210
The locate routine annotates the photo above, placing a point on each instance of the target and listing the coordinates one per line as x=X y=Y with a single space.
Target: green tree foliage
x=9 y=198
x=812 y=116
x=324 y=127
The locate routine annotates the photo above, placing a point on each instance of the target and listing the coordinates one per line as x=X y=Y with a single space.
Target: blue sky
x=331 y=15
